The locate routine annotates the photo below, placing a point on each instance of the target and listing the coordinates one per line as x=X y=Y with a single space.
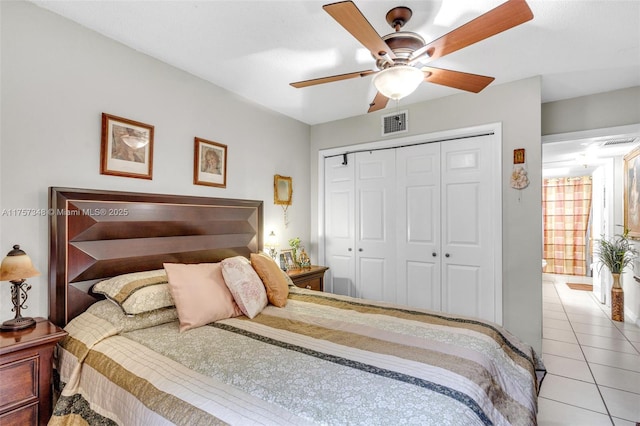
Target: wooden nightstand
x=311 y=278
x=26 y=363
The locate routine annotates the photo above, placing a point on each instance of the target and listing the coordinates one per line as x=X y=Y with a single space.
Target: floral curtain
x=566 y=206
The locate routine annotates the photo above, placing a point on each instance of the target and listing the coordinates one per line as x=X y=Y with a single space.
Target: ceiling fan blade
x=322 y=80
x=349 y=16
x=379 y=102
x=506 y=16
x=456 y=79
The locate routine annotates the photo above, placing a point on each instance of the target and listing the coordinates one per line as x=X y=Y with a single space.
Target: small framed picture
x=632 y=193
x=282 y=190
x=518 y=156
x=126 y=148
x=286 y=259
x=209 y=163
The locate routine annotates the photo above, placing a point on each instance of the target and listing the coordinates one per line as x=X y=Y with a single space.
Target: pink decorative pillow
x=200 y=294
x=272 y=278
x=245 y=285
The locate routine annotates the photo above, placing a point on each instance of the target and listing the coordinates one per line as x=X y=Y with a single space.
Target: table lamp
x=16 y=267
x=272 y=245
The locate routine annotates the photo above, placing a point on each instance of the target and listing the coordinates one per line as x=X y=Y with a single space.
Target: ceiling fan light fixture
x=398 y=81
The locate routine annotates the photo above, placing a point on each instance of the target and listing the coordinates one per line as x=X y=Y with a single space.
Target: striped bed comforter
x=322 y=359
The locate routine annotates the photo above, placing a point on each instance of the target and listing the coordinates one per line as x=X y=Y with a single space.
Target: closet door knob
x=434 y=254
x=359 y=249
x=447 y=255
x=349 y=249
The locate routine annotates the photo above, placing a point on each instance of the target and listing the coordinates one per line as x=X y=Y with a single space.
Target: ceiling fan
x=401 y=56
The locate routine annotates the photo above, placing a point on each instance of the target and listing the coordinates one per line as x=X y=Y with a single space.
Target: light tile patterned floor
x=593 y=363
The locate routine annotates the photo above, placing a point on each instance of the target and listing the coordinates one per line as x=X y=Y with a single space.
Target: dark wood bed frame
x=97 y=234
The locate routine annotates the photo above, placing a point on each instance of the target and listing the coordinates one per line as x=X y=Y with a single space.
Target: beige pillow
x=272 y=278
x=111 y=313
x=137 y=292
x=200 y=294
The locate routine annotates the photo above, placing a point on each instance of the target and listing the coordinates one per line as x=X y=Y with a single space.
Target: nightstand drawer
x=27 y=415
x=311 y=278
x=312 y=284
x=19 y=382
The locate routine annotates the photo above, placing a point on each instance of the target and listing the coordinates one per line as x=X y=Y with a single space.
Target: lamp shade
x=398 y=81
x=271 y=242
x=17 y=266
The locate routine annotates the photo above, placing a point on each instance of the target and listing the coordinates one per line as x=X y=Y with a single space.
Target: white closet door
x=375 y=222
x=340 y=225
x=418 y=226
x=468 y=226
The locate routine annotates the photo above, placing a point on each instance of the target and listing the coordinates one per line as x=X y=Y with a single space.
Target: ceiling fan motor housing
x=403 y=44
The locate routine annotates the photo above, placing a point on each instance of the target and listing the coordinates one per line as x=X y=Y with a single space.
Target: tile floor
x=593 y=363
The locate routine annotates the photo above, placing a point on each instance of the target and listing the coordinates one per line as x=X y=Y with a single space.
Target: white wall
x=601 y=110
x=58 y=77
x=517 y=106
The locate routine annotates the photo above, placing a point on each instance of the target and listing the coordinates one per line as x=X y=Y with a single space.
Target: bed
x=305 y=357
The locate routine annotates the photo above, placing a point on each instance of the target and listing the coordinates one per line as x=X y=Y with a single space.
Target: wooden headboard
x=98 y=234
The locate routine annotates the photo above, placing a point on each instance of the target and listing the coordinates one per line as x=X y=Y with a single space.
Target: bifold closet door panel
x=468 y=274
x=418 y=226
x=340 y=225
x=375 y=225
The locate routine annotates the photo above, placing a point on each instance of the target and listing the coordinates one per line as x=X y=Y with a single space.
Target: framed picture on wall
x=126 y=148
x=209 y=163
x=632 y=193
x=282 y=190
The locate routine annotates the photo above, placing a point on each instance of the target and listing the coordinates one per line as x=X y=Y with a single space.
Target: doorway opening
x=596 y=154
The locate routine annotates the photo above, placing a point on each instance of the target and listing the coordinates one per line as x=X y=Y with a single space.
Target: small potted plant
x=616 y=254
x=294 y=243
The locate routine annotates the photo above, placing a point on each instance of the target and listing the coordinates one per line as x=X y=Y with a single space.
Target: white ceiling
x=256 y=48
x=580 y=153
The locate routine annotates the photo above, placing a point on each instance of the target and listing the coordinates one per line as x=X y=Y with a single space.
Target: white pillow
x=245 y=285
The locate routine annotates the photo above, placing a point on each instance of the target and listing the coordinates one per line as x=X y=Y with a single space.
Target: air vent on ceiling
x=395 y=123
x=619 y=141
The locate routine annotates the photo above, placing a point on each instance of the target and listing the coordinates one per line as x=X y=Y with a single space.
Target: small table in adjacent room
x=26 y=365
x=311 y=278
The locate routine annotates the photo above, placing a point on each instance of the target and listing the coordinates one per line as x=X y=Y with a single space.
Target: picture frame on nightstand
x=286 y=259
